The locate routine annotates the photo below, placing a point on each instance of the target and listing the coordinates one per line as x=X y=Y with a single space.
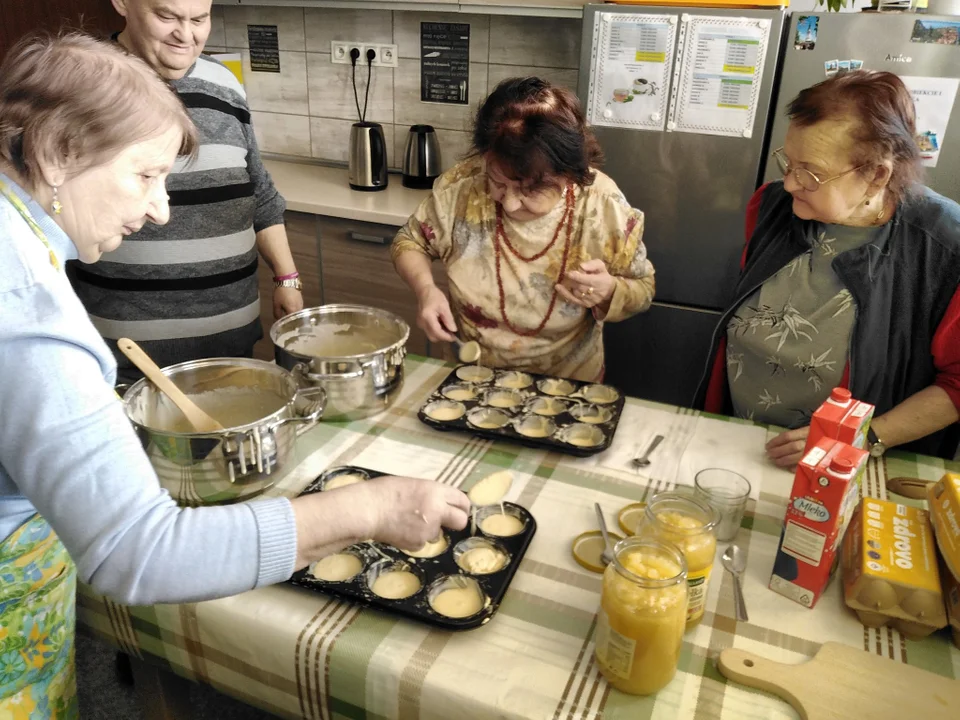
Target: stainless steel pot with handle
x=354 y=352
x=260 y=405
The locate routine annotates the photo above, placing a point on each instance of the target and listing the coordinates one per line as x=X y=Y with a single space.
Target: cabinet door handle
x=375 y=239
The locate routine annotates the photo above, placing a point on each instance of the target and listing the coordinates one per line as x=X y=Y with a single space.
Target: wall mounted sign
x=445 y=63
x=264 y=48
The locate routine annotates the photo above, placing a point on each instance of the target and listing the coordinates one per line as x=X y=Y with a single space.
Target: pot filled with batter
x=258 y=403
x=353 y=352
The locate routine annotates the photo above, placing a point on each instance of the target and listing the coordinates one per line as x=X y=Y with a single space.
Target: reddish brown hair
x=535 y=131
x=885 y=121
x=74 y=97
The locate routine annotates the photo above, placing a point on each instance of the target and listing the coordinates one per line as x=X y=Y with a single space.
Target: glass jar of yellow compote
x=643 y=612
x=691 y=525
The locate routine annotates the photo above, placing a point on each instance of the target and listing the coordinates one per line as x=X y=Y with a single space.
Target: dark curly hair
x=536 y=131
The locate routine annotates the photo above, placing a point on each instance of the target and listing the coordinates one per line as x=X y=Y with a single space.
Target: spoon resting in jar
x=200 y=420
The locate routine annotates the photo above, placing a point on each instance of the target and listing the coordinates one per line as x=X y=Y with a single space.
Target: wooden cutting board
x=842 y=683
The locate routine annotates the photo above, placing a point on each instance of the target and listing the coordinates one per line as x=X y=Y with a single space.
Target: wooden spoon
x=195 y=416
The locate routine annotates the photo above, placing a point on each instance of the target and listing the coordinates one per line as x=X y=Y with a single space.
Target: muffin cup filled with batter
x=445 y=410
x=505 y=521
x=487 y=418
x=592 y=414
x=582 y=435
x=548 y=406
x=339 y=567
x=501 y=398
x=394 y=580
x=514 y=379
x=556 y=387
x=342 y=477
x=600 y=394
x=459 y=393
x=475 y=373
x=535 y=426
x=456 y=596
x=430 y=549
x=480 y=556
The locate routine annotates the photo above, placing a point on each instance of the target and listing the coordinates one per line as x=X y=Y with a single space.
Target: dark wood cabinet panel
x=302 y=235
x=357 y=270
x=21 y=17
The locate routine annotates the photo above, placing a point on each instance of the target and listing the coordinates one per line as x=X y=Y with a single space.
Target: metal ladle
x=607 y=555
x=644 y=459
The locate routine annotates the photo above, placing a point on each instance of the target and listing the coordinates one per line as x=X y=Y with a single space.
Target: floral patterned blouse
x=457 y=225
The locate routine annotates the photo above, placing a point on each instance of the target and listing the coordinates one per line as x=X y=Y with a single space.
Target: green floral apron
x=38 y=582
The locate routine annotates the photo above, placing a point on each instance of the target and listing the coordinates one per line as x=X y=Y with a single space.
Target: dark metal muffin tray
x=603 y=404
x=435 y=574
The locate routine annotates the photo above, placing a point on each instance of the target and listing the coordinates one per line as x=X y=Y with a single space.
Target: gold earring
x=56 y=205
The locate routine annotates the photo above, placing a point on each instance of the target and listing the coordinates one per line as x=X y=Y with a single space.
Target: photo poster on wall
x=933 y=98
x=716 y=84
x=630 y=72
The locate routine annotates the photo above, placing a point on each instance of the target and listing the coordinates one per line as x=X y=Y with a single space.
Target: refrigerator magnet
x=830 y=67
x=856 y=64
x=843 y=66
x=805 y=37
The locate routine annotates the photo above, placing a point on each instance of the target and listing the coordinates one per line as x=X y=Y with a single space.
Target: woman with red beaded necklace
x=540 y=247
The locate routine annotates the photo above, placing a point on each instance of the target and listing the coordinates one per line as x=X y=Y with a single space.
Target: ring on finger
x=590 y=290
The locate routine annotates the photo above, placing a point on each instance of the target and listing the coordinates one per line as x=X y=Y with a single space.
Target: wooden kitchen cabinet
x=355 y=257
x=304 y=244
x=21 y=17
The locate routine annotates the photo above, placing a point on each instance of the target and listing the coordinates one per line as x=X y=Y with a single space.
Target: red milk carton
x=826 y=490
x=840 y=418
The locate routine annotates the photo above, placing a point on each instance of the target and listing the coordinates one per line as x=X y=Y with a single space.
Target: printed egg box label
x=825 y=491
x=943 y=499
x=890 y=568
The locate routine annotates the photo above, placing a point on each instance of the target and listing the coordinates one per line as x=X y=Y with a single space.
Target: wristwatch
x=875 y=445
x=289 y=283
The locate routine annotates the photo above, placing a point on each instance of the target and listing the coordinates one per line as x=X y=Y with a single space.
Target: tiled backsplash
x=307 y=109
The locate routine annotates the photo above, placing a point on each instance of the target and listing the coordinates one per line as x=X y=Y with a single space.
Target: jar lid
x=630 y=515
x=587 y=548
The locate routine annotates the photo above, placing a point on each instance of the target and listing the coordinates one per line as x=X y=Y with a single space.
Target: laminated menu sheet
x=716 y=85
x=630 y=72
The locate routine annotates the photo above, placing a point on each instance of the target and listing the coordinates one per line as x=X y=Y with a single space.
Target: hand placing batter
x=589 y=287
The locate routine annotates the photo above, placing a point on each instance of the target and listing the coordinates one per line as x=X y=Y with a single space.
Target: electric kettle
x=421 y=158
x=368 y=157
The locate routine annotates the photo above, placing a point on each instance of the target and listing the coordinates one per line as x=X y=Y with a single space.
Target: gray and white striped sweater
x=188 y=289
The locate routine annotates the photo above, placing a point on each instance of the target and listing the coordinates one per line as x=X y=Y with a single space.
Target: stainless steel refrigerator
x=693 y=189
x=923 y=49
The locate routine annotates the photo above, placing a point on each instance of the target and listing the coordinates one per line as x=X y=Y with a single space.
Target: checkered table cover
x=300 y=654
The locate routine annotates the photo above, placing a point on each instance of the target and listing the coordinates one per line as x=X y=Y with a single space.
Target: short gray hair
x=80 y=98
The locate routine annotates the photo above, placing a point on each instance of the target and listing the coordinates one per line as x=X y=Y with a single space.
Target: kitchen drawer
x=355 y=257
x=302 y=235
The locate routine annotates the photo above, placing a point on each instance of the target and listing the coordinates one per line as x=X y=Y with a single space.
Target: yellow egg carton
x=951 y=591
x=943 y=499
x=890 y=574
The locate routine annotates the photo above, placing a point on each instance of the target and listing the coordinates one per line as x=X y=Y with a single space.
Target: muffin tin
x=540 y=411
x=494 y=559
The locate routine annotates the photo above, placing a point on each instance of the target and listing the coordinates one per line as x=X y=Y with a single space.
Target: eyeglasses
x=806 y=179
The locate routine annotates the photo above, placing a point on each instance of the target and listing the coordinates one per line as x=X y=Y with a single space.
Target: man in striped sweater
x=188 y=289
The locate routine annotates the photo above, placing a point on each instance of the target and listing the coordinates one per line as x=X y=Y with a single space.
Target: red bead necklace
x=501 y=237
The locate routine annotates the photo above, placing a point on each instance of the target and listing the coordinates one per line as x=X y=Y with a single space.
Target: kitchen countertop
x=325 y=191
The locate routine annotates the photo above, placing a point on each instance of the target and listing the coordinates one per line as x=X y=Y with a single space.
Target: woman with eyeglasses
x=849 y=278
x=540 y=247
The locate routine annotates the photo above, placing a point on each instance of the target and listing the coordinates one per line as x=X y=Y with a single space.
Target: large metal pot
x=238 y=462
x=353 y=352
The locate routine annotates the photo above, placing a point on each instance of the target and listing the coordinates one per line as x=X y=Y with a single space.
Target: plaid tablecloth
x=304 y=655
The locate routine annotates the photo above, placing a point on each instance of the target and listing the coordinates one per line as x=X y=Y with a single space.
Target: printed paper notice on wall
x=717 y=82
x=933 y=98
x=630 y=76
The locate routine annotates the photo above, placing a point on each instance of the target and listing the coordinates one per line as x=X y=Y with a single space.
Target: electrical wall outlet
x=386 y=55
